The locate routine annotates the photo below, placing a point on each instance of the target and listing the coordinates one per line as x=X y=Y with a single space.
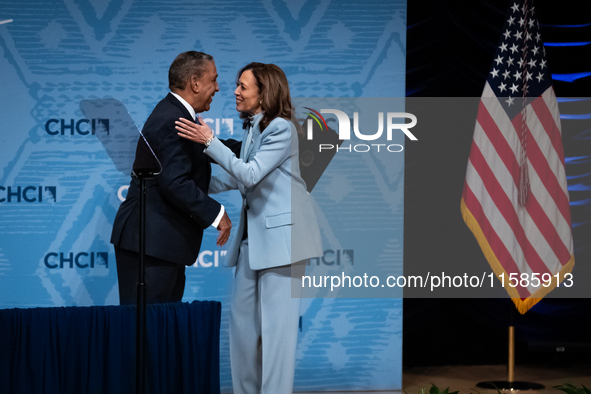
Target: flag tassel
x=523 y=184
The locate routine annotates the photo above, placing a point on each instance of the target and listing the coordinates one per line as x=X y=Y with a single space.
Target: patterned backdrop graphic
x=60 y=188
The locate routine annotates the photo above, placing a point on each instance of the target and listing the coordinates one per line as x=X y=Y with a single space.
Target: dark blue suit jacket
x=178 y=208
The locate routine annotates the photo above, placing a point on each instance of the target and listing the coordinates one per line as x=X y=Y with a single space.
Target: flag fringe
x=522 y=305
x=542 y=291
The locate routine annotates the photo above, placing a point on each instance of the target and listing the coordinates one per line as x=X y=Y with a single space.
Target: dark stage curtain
x=450 y=49
x=92 y=349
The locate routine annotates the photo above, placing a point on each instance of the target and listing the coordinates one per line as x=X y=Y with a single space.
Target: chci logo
x=395 y=121
x=334 y=257
x=80 y=260
x=80 y=126
x=28 y=193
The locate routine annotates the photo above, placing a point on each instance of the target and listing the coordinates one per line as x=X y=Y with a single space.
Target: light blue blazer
x=282 y=226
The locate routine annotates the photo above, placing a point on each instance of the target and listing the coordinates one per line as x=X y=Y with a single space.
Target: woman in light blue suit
x=276 y=233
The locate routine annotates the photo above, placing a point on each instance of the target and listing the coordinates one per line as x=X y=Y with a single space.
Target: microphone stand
x=146 y=167
x=140 y=355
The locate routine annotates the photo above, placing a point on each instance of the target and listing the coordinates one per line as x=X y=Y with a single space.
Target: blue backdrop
x=60 y=190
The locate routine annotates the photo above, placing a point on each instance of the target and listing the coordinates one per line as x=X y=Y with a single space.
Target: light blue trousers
x=264 y=327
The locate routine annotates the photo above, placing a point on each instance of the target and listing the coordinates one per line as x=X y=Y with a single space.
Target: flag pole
x=511 y=359
x=510 y=383
x=511 y=366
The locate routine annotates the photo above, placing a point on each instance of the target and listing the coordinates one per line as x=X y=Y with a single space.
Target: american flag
x=515 y=198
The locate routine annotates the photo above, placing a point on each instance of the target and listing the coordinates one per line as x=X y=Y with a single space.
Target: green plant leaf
x=571 y=389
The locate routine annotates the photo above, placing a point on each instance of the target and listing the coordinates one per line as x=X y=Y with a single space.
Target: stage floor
x=465 y=378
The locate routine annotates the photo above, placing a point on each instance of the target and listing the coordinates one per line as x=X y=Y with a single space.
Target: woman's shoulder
x=279 y=124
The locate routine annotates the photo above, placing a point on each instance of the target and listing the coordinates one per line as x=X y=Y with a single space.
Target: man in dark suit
x=178 y=208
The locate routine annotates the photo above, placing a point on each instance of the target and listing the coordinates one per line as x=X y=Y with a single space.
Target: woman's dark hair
x=273 y=90
x=185 y=66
